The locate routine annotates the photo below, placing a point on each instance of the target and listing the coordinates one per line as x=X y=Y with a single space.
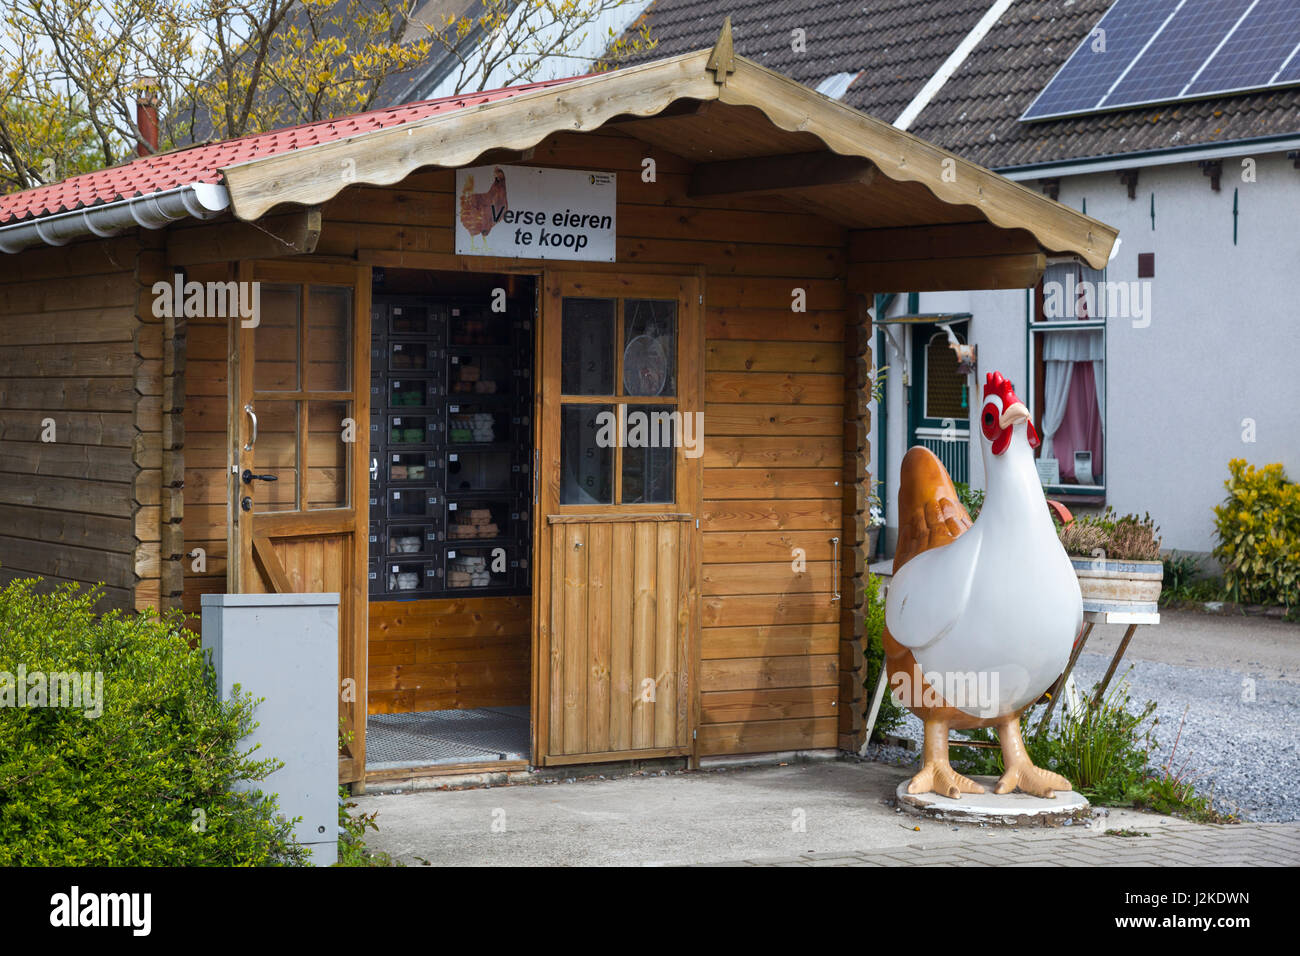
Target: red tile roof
x=203 y=164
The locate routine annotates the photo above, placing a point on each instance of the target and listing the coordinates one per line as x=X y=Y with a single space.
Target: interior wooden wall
x=449 y=654
x=79 y=344
x=774 y=419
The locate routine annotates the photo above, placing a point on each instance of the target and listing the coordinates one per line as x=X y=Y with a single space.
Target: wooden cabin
x=452 y=299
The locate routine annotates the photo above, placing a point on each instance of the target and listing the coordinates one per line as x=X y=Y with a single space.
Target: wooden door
x=616 y=550
x=300 y=440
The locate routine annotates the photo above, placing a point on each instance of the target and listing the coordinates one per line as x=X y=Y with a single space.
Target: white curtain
x=1060 y=351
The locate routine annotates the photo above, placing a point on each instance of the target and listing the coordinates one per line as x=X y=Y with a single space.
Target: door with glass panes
x=617 y=536
x=300 y=375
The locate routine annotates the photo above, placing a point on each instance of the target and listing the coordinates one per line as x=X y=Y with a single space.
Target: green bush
x=1104 y=751
x=352 y=843
x=1258 y=528
x=972 y=499
x=147 y=781
x=890 y=715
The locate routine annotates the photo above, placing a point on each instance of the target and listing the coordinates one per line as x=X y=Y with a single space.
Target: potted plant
x=1117 y=560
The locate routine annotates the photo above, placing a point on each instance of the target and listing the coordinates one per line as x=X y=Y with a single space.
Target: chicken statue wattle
x=980 y=618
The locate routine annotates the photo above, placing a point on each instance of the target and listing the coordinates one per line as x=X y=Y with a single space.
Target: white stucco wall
x=1221 y=345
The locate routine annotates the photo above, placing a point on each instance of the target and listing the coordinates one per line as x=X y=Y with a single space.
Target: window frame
x=1037 y=325
x=688 y=471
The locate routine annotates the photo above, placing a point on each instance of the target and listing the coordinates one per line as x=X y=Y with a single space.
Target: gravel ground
x=1246 y=753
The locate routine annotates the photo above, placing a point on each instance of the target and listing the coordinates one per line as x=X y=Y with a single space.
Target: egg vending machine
x=451 y=441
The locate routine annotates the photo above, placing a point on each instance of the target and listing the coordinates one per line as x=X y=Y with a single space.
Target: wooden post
x=853 y=700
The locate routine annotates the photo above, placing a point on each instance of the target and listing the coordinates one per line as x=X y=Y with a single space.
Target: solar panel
x=1251 y=56
x=1155 y=51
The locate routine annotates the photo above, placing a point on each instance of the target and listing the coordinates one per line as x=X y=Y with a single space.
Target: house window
x=1068 y=338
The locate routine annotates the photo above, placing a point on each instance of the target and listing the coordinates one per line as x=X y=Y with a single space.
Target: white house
x=1194 y=364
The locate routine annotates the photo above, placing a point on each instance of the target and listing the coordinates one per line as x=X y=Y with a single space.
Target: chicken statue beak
x=1016 y=413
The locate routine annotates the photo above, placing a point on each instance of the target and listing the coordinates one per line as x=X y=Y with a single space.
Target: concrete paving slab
x=832 y=810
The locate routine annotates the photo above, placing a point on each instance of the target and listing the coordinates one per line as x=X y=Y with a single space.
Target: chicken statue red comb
x=998 y=384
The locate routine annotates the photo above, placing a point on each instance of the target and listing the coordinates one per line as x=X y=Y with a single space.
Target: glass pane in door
x=275 y=454
x=586 y=455
x=650 y=347
x=327 y=455
x=587 y=346
x=650 y=456
x=276 y=339
x=329 y=338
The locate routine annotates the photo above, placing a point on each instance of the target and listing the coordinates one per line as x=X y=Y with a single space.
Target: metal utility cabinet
x=283 y=649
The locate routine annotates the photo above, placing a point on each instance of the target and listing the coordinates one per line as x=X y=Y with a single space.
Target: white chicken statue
x=980 y=618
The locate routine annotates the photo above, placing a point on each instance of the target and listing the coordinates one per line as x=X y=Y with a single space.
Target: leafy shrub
x=972 y=499
x=1104 y=751
x=1122 y=538
x=1183 y=581
x=890 y=714
x=148 y=781
x=1258 y=528
x=352 y=831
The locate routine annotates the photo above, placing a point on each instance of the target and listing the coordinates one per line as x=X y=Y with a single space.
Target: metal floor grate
x=432 y=737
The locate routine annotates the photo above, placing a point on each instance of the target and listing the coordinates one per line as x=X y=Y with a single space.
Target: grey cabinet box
x=284 y=648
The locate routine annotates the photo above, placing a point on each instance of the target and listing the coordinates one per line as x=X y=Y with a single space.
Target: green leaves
x=1258 y=528
x=125 y=788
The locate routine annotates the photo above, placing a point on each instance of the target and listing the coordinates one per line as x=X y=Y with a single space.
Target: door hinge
x=695 y=735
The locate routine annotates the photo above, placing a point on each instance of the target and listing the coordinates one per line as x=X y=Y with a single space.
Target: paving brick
x=1173 y=846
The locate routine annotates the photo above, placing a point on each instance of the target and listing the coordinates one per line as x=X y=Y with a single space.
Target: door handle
x=252 y=417
x=249 y=477
x=835 y=583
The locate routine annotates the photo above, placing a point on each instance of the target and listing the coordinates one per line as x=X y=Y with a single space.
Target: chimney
x=146 y=117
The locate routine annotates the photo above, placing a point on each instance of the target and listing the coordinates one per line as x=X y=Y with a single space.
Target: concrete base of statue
x=1008 y=809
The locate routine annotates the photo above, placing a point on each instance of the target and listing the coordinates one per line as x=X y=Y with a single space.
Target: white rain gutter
x=1159 y=157
x=955 y=59
x=195 y=200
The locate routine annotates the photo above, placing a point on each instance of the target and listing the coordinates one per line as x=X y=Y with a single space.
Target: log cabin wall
x=779 y=479
x=774 y=459
x=81 y=420
x=207 y=347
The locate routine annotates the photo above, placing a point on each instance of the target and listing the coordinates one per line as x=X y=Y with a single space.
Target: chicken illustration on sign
x=535 y=213
x=981 y=617
x=479 y=212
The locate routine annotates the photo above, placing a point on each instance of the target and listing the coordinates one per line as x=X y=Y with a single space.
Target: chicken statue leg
x=936 y=772
x=1021 y=773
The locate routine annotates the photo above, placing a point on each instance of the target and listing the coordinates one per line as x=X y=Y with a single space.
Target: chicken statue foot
x=936 y=772
x=1021 y=774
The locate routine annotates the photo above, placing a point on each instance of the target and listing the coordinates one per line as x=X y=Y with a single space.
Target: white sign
x=1049 y=471
x=527 y=212
x=1083 y=467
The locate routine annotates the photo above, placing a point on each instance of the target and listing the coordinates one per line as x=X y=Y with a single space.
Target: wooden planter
x=1112 y=585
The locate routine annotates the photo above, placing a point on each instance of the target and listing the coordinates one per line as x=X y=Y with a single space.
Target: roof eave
x=314 y=175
